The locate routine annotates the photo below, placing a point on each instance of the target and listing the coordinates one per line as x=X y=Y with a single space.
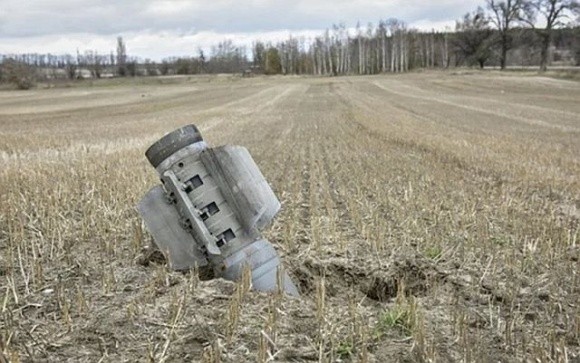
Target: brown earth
x=426 y=217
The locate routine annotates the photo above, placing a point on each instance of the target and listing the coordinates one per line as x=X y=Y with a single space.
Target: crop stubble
x=425 y=217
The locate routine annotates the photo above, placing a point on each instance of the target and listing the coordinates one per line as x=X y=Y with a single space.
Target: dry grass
x=427 y=217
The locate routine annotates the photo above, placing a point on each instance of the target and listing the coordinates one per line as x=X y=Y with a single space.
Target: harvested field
x=426 y=217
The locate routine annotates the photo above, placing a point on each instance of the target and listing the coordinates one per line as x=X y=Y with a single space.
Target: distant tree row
x=225 y=57
x=524 y=30
x=32 y=66
x=505 y=32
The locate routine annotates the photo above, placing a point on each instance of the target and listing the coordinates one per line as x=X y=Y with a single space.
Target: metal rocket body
x=210 y=209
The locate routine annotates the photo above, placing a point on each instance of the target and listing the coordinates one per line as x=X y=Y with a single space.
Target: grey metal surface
x=262 y=259
x=189 y=215
x=192 y=149
x=237 y=174
x=162 y=221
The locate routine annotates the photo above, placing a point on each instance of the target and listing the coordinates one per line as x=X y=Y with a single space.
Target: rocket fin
x=162 y=221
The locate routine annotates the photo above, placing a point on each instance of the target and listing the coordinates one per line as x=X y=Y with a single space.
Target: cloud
x=158 y=28
x=105 y=17
x=152 y=45
x=428 y=25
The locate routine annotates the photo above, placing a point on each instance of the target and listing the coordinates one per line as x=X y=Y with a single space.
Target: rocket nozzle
x=172 y=142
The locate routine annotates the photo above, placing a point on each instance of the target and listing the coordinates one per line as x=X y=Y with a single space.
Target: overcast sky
x=161 y=28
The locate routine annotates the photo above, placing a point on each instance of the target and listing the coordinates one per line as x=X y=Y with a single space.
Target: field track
x=428 y=216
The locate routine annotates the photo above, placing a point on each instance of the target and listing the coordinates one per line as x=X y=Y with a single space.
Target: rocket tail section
x=210 y=210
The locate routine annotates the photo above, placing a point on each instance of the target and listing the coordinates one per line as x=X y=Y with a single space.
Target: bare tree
x=202 y=61
x=150 y=67
x=553 y=12
x=131 y=67
x=472 y=38
x=369 y=68
x=259 y=56
x=393 y=25
x=273 y=63
x=359 y=40
x=94 y=62
x=121 y=57
x=382 y=34
x=21 y=74
x=70 y=67
x=504 y=14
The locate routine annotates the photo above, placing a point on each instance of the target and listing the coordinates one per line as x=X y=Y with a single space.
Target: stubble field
x=426 y=217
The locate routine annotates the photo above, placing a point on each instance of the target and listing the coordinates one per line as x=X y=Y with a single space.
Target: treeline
x=21 y=69
x=505 y=33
